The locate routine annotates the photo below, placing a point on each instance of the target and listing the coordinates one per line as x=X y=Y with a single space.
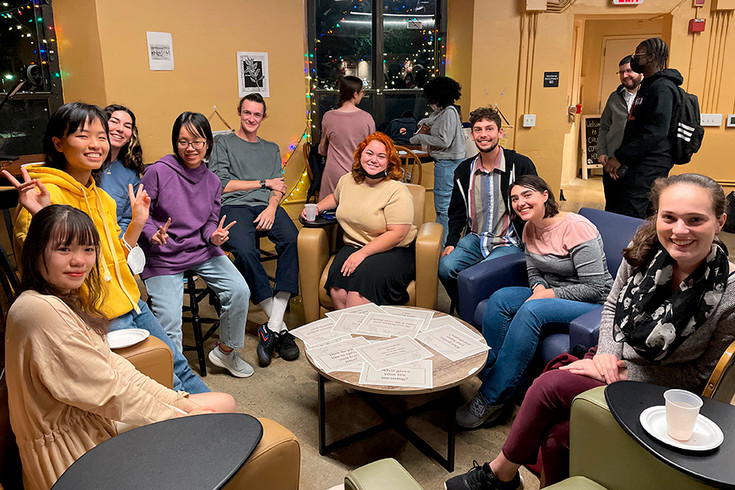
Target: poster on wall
x=252 y=73
x=160 y=50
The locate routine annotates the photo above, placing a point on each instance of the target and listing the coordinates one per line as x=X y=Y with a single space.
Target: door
x=614 y=49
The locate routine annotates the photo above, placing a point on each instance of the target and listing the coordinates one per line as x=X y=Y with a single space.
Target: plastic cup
x=682 y=408
x=311 y=212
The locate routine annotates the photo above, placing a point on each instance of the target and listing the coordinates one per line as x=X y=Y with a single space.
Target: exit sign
x=627 y=2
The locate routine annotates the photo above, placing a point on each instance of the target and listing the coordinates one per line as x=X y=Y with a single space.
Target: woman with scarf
x=375 y=210
x=668 y=319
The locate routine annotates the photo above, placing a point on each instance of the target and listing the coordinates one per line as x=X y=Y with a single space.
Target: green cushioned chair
x=381 y=475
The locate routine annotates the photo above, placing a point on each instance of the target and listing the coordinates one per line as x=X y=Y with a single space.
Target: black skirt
x=382 y=278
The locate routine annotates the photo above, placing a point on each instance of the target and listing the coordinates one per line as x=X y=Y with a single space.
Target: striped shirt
x=489 y=217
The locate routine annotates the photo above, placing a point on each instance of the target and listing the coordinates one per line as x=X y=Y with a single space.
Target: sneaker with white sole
x=232 y=362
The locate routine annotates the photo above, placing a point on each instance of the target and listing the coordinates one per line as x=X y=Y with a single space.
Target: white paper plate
x=705 y=436
x=126 y=337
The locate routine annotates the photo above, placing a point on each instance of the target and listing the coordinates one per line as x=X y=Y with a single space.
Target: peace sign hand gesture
x=221 y=235
x=161 y=236
x=32 y=194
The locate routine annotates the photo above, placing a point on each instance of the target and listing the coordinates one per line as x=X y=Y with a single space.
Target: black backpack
x=686 y=133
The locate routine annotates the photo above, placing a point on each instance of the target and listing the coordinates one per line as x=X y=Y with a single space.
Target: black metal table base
x=397 y=422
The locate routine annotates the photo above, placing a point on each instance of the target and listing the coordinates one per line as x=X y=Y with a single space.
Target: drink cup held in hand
x=311 y=212
x=682 y=409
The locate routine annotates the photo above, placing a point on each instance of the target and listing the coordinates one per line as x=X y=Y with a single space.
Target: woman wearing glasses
x=184 y=232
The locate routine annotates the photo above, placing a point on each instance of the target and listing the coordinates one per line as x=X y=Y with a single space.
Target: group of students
x=668 y=315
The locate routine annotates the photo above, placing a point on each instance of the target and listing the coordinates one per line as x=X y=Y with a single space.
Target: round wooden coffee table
x=447 y=376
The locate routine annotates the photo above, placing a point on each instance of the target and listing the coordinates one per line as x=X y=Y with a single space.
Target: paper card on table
x=348 y=322
x=364 y=309
x=446 y=320
x=417 y=374
x=393 y=352
x=339 y=356
x=424 y=315
x=318 y=332
x=384 y=325
x=452 y=343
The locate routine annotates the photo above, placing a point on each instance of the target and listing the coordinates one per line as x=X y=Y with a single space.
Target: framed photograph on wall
x=252 y=73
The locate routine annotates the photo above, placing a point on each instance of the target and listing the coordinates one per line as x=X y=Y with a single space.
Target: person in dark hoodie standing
x=184 y=232
x=645 y=152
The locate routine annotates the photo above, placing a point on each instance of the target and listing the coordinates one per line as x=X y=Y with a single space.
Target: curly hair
x=442 y=91
x=485 y=113
x=394 y=170
x=61 y=224
x=645 y=242
x=131 y=154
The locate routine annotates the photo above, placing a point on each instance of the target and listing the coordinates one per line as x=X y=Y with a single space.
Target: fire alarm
x=696 y=25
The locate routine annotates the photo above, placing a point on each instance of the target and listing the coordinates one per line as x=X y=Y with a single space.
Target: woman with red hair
x=375 y=210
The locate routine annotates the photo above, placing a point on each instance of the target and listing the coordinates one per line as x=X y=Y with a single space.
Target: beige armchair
x=316 y=254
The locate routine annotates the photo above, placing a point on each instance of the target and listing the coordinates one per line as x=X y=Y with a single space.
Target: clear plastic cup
x=311 y=212
x=682 y=409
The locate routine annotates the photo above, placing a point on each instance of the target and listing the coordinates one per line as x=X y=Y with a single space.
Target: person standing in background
x=342 y=130
x=442 y=132
x=612 y=124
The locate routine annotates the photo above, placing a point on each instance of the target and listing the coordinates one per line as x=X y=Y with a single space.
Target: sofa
x=477 y=283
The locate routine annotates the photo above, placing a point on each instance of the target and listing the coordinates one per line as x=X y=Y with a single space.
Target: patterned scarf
x=653 y=320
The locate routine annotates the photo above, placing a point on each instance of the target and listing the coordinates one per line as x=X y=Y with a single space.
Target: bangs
x=74 y=231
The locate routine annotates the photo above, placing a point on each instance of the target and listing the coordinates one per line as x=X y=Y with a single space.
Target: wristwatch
x=262 y=184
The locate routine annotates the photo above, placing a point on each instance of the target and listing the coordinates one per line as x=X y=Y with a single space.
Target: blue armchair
x=478 y=282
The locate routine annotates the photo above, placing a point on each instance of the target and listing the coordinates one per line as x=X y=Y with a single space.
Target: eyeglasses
x=639 y=55
x=197 y=145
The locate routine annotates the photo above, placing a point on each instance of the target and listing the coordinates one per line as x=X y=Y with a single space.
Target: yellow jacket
x=122 y=291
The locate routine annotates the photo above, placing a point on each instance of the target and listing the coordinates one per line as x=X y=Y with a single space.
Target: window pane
x=410 y=42
x=343 y=44
x=22 y=133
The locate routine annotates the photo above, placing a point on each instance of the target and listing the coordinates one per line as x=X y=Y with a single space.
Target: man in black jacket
x=645 y=153
x=479 y=203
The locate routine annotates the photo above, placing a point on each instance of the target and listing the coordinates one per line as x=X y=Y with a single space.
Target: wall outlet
x=529 y=120
x=730 y=121
x=711 y=120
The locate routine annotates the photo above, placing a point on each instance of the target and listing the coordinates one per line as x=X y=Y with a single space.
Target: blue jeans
x=184 y=377
x=467 y=252
x=247 y=258
x=443 y=185
x=512 y=328
x=167 y=299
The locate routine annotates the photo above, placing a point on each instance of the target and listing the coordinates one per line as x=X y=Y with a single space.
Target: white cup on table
x=682 y=409
x=311 y=211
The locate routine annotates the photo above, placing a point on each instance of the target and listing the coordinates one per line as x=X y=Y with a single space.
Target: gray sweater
x=612 y=123
x=690 y=366
x=446 y=138
x=233 y=158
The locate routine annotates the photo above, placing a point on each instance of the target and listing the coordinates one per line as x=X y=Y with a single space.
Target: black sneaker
x=482 y=478
x=477 y=413
x=287 y=347
x=267 y=341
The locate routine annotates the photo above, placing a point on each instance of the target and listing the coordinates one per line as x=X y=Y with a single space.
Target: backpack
x=686 y=133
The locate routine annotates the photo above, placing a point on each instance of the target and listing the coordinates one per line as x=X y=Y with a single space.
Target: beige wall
x=459 y=42
x=512 y=49
x=103 y=49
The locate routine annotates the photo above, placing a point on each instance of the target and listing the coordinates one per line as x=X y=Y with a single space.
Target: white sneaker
x=232 y=362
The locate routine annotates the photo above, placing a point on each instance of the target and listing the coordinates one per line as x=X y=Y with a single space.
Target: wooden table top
x=446 y=373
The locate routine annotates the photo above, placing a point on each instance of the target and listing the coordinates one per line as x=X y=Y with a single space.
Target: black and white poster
x=252 y=73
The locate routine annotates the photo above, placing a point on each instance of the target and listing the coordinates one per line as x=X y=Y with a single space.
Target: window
x=394 y=46
x=30 y=81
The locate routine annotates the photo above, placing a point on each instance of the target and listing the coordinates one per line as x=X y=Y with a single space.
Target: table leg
x=322 y=417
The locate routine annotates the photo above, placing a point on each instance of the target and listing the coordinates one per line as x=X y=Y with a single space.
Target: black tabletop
x=201 y=451
x=319 y=222
x=628 y=399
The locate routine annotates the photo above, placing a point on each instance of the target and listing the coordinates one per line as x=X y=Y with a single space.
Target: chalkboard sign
x=589 y=131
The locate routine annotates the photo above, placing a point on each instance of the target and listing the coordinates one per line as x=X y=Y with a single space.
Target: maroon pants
x=543 y=423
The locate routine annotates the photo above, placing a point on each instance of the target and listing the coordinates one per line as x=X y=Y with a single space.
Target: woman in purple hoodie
x=184 y=233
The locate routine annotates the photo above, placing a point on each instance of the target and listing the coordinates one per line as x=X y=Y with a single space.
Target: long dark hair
x=348 y=87
x=645 y=242
x=131 y=154
x=65 y=121
x=195 y=123
x=61 y=224
x=536 y=183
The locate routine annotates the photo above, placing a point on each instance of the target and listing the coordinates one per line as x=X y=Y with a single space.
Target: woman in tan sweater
x=66 y=389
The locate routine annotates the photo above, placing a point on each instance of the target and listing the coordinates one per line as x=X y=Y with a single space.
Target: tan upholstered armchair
x=316 y=253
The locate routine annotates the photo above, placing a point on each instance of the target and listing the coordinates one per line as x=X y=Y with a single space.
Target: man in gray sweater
x=612 y=123
x=252 y=188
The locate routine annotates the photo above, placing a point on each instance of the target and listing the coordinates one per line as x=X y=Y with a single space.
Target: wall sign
x=160 y=50
x=627 y=2
x=551 y=79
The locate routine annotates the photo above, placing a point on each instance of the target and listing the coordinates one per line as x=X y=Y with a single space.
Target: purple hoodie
x=191 y=198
